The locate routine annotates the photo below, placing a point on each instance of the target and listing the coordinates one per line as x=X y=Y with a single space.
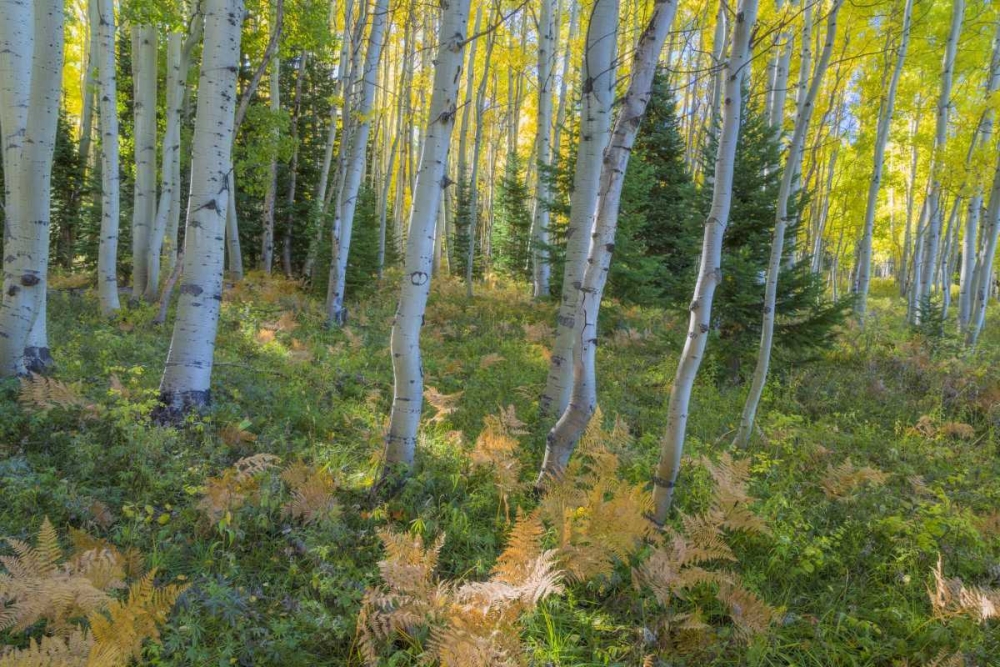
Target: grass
x=849 y=574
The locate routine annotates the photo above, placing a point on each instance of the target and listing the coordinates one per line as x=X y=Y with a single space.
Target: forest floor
x=847 y=565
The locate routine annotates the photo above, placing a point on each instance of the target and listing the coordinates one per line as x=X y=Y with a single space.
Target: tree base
x=175 y=406
x=38 y=360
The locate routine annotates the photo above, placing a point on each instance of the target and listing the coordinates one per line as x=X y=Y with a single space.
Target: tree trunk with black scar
x=595 y=124
x=188 y=371
x=31 y=60
x=562 y=439
x=543 y=148
x=107 y=256
x=407 y=402
x=144 y=198
x=710 y=269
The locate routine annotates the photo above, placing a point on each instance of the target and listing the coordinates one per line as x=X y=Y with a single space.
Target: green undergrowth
x=848 y=574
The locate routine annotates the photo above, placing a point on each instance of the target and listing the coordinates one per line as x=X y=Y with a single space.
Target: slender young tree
x=886 y=105
x=347 y=198
x=407 y=402
x=31 y=60
x=144 y=75
x=542 y=269
x=563 y=437
x=789 y=180
x=188 y=371
x=597 y=97
x=271 y=195
x=710 y=269
x=107 y=257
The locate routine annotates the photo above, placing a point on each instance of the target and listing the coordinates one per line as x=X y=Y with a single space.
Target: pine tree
x=512 y=227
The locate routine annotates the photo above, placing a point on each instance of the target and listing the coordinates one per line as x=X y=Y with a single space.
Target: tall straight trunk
x=293 y=169
x=169 y=170
x=598 y=94
x=347 y=199
x=542 y=269
x=188 y=370
x=384 y=208
x=929 y=257
x=886 y=105
x=107 y=257
x=31 y=61
x=477 y=147
x=710 y=268
x=789 y=178
x=564 y=78
x=779 y=82
x=144 y=74
x=407 y=402
x=563 y=437
x=720 y=41
x=911 y=190
x=948 y=258
x=90 y=82
x=970 y=245
x=805 y=58
x=983 y=275
x=233 y=251
x=271 y=194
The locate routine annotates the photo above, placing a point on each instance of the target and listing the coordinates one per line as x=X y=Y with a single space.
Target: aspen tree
x=597 y=73
x=293 y=168
x=188 y=370
x=107 y=257
x=710 y=268
x=886 y=105
x=31 y=60
x=477 y=146
x=543 y=148
x=983 y=276
x=404 y=420
x=144 y=75
x=566 y=433
x=779 y=83
x=347 y=198
x=789 y=178
x=271 y=195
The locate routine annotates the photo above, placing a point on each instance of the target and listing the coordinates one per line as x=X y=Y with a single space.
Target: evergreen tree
x=806 y=319
x=512 y=225
x=67 y=209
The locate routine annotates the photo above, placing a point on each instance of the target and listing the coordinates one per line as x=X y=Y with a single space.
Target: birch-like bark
x=477 y=147
x=563 y=437
x=107 y=256
x=564 y=78
x=789 y=179
x=271 y=194
x=970 y=244
x=983 y=276
x=407 y=402
x=710 y=269
x=886 y=106
x=929 y=256
x=144 y=73
x=89 y=82
x=347 y=199
x=31 y=60
x=293 y=168
x=169 y=169
x=911 y=190
x=542 y=269
x=597 y=97
x=188 y=370
x=779 y=83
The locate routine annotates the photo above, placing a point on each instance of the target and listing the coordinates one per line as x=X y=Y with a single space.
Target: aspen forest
x=496 y=333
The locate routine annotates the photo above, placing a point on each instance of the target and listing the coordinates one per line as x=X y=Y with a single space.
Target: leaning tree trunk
x=271 y=195
x=144 y=207
x=188 y=371
x=788 y=179
x=597 y=72
x=566 y=433
x=881 y=138
x=407 y=402
x=169 y=171
x=542 y=269
x=710 y=269
x=107 y=256
x=929 y=256
x=31 y=60
x=347 y=198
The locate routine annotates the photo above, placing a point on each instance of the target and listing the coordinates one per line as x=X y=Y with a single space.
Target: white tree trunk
x=477 y=147
x=710 y=269
x=566 y=433
x=779 y=83
x=90 y=82
x=597 y=72
x=564 y=79
x=347 y=199
x=188 y=370
x=170 y=167
x=271 y=195
x=144 y=74
x=29 y=31
x=401 y=440
x=983 y=276
x=887 y=103
x=929 y=256
x=107 y=257
x=542 y=269
x=789 y=180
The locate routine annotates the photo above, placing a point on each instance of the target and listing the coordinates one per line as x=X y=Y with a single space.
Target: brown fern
x=70 y=651
x=230 y=490
x=445 y=404
x=312 y=493
x=842 y=481
x=950 y=597
x=40 y=394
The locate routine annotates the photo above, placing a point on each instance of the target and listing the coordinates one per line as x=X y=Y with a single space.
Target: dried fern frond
x=946 y=659
x=958 y=430
x=537 y=333
x=70 y=651
x=490 y=359
x=751 y=615
x=950 y=597
x=131 y=561
x=231 y=489
x=510 y=423
x=843 y=480
x=101 y=514
x=445 y=404
x=497 y=450
x=524 y=545
x=312 y=493
x=235 y=435
x=39 y=393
